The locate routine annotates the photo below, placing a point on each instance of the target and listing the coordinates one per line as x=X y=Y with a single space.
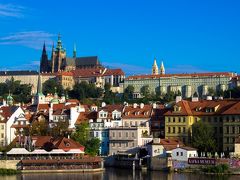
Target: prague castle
x=60 y=62
x=187 y=84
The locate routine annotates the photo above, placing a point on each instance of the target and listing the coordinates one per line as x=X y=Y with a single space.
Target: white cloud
x=31 y=39
x=11 y=10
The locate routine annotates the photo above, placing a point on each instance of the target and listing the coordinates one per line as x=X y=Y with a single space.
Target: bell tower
x=155 y=67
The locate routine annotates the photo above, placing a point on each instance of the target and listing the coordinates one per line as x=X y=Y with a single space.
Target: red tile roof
x=131 y=112
x=180 y=75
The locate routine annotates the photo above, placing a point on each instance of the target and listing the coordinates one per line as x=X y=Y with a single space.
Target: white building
x=183 y=153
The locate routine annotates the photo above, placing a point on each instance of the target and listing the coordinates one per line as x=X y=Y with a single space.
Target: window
x=96 y=134
x=113 y=134
x=177 y=153
x=174 y=119
x=2 y=135
x=173 y=129
x=126 y=134
x=119 y=134
x=179 y=129
x=184 y=129
x=169 y=130
x=2 y=127
x=181 y=153
x=113 y=144
x=233 y=130
x=133 y=134
x=184 y=119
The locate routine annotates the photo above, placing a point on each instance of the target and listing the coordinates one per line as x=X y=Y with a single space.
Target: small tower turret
x=162 y=69
x=74 y=51
x=155 y=67
x=9 y=99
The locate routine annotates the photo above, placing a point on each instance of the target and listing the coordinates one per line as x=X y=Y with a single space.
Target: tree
x=51 y=85
x=128 y=93
x=203 y=137
x=145 y=91
x=211 y=92
x=168 y=97
x=82 y=135
x=39 y=128
x=84 y=90
x=92 y=146
x=61 y=129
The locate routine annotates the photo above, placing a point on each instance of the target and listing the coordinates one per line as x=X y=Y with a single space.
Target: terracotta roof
x=180 y=75
x=64 y=73
x=73 y=101
x=206 y=108
x=7 y=112
x=85 y=116
x=67 y=144
x=91 y=72
x=131 y=112
x=110 y=72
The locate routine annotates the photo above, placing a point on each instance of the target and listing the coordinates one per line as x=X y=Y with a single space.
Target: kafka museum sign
x=202 y=161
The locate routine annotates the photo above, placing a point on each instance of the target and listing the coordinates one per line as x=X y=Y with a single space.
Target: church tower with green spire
x=58 y=55
x=39 y=98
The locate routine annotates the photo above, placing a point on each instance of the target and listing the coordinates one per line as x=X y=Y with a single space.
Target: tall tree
x=128 y=93
x=51 y=85
x=203 y=137
x=145 y=91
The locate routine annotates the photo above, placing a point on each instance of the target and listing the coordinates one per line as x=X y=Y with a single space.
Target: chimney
x=178 y=98
x=154 y=105
x=103 y=104
x=135 y=105
x=156 y=140
x=209 y=98
x=141 y=105
x=194 y=99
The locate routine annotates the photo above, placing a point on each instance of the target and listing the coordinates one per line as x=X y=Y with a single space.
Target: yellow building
x=66 y=79
x=222 y=115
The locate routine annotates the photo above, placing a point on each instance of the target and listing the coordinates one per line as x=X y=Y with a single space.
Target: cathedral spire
x=74 y=51
x=59 y=43
x=44 y=60
x=155 y=67
x=162 y=69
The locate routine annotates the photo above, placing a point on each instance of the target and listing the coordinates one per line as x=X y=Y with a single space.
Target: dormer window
x=177 y=108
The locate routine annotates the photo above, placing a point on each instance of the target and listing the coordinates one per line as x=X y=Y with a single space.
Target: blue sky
x=189 y=36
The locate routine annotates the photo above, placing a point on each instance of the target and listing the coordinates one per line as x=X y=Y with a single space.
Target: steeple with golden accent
x=155 y=67
x=162 y=69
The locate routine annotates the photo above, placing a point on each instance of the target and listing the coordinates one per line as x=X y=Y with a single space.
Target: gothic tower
x=155 y=67
x=162 y=69
x=44 y=60
x=57 y=56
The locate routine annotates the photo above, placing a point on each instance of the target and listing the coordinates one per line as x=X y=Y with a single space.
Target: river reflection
x=118 y=174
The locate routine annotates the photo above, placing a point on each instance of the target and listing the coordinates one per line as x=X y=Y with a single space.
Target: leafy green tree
x=128 y=93
x=51 y=85
x=61 y=129
x=92 y=146
x=38 y=128
x=203 y=137
x=168 y=97
x=84 y=90
x=145 y=91
x=211 y=92
x=82 y=135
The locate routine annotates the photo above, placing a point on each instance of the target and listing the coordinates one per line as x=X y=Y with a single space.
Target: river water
x=119 y=174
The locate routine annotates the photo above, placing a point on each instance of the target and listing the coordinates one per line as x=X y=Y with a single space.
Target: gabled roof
x=131 y=112
x=214 y=74
x=7 y=111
